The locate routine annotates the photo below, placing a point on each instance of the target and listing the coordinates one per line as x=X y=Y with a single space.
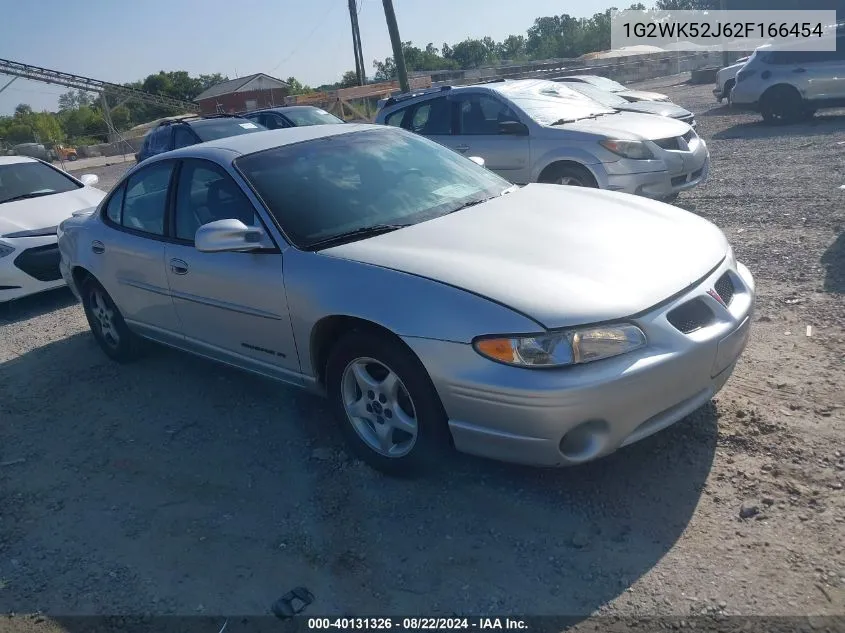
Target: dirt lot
x=173 y=486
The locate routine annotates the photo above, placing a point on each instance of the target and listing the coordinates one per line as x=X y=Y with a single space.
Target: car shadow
x=820 y=124
x=36 y=305
x=173 y=486
x=833 y=260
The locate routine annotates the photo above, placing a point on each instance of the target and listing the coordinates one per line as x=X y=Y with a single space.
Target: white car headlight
x=6 y=249
x=628 y=149
x=558 y=349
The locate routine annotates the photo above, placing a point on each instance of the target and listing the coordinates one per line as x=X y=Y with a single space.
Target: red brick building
x=242 y=94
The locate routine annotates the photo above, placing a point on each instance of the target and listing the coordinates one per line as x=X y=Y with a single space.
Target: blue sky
x=117 y=40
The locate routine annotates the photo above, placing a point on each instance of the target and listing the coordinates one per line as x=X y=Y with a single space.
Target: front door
x=232 y=306
x=130 y=252
x=479 y=134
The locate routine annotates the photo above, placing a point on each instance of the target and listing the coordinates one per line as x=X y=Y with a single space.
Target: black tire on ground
x=568 y=174
x=726 y=91
x=781 y=104
x=107 y=324
x=423 y=406
x=808 y=114
x=72 y=157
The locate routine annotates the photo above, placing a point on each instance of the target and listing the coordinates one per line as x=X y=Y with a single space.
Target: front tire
x=385 y=403
x=107 y=325
x=572 y=175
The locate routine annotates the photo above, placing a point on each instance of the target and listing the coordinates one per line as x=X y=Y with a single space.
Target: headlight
x=628 y=149
x=558 y=349
x=6 y=249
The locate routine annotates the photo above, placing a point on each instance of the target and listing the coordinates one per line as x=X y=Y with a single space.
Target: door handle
x=799 y=70
x=178 y=267
x=462 y=148
x=98 y=247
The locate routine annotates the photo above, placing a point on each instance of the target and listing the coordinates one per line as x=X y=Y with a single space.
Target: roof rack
x=197 y=117
x=416 y=93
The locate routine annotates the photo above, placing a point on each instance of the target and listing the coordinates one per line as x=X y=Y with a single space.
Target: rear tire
x=781 y=105
x=387 y=407
x=107 y=325
x=572 y=175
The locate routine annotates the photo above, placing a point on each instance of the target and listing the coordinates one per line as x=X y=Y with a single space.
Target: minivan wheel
x=572 y=175
x=385 y=403
x=107 y=324
x=782 y=104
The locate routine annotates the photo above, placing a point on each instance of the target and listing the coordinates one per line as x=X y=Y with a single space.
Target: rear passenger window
x=183 y=138
x=160 y=141
x=432 y=118
x=395 y=119
x=115 y=205
x=145 y=199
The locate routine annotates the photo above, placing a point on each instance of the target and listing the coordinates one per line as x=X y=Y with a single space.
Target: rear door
x=432 y=118
x=823 y=73
x=231 y=306
x=479 y=134
x=130 y=254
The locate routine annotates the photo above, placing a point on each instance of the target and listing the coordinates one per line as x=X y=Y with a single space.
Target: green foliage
x=349 y=79
x=555 y=36
x=297 y=88
x=19 y=133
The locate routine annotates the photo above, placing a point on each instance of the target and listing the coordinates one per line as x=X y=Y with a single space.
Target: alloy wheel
x=104 y=316
x=379 y=407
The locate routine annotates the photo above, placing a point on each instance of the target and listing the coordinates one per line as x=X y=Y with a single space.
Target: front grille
x=40 y=262
x=725 y=288
x=691 y=316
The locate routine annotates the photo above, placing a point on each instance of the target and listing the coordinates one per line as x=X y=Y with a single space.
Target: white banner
x=725 y=30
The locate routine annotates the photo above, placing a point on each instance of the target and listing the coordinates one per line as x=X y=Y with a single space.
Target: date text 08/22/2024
x=417 y=624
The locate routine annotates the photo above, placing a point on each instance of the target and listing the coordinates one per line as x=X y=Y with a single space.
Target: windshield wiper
x=27 y=196
x=349 y=236
x=472 y=203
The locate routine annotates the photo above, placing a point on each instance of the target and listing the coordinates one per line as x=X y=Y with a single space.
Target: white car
x=726 y=79
x=34 y=198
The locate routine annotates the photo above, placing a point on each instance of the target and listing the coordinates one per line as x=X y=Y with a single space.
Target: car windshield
x=311 y=116
x=598 y=95
x=20 y=181
x=605 y=84
x=213 y=129
x=550 y=103
x=345 y=184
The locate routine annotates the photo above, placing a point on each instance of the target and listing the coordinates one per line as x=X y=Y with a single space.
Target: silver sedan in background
x=430 y=300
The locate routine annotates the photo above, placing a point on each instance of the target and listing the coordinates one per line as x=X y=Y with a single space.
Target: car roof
x=12 y=160
x=267 y=139
x=283 y=109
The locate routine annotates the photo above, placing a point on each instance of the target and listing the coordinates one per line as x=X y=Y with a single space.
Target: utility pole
x=398 y=56
x=353 y=14
x=726 y=56
x=360 y=70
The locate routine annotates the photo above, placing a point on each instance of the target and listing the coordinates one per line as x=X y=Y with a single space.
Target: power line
x=307 y=37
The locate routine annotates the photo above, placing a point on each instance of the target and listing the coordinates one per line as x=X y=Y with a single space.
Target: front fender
x=564 y=153
x=320 y=286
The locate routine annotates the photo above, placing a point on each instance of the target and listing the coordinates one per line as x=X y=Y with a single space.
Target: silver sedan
x=433 y=303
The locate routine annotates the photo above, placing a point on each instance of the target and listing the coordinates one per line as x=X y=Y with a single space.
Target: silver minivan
x=532 y=130
x=786 y=85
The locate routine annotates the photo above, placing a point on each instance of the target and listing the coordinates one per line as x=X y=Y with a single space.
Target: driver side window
x=206 y=194
x=481 y=115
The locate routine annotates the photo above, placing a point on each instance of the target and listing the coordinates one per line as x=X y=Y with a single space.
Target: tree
x=512 y=48
x=46 y=128
x=121 y=117
x=688 y=5
x=297 y=88
x=206 y=81
x=349 y=79
x=471 y=53
x=19 y=133
x=23 y=110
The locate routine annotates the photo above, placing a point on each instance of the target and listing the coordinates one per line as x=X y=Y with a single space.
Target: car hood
x=656 y=107
x=27 y=217
x=632 y=126
x=562 y=255
x=642 y=95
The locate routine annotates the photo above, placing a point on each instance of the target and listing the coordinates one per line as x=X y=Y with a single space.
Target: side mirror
x=89 y=179
x=513 y=127
x=477 y=160
x=230 y=235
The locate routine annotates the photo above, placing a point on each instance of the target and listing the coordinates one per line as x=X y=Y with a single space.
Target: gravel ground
x=173 y=486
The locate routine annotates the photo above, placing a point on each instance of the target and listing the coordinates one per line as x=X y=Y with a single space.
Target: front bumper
x=567 y=416
x=31 y=268
x=680 y=173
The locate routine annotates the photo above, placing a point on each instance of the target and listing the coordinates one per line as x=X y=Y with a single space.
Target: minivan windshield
x=343 y=187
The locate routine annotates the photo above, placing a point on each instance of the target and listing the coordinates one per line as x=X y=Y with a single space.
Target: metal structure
x=104 y=88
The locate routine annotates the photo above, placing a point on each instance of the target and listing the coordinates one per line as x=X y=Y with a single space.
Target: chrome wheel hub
x=105 y=319
x=379 y=407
